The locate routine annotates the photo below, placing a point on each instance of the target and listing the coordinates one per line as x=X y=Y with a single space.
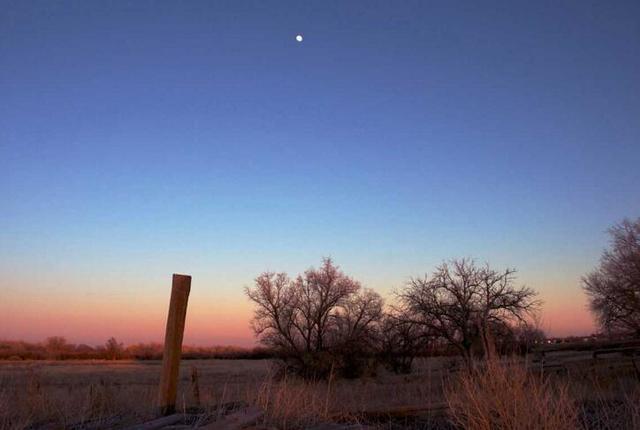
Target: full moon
x=299 y=37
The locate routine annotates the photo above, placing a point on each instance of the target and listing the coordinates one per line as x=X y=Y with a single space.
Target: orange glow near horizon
x=213 y=318
x=94 y=325
x=135 y=313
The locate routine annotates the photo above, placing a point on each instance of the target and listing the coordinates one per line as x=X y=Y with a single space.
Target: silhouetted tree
x=614 y=287
x=113 y=349
x=401 y=341
x=355 y=336
x=312 y=319
x=56 y=346
x=463 y=303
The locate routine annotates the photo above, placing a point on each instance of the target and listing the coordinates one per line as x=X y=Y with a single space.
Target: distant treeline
x=57 y=348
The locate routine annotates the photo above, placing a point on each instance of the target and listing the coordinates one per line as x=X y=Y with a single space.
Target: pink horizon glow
x=205 y=326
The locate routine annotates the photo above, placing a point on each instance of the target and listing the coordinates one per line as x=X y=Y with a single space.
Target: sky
x=140 y=139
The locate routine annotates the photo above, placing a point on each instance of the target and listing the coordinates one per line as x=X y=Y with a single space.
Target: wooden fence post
x=180 y=288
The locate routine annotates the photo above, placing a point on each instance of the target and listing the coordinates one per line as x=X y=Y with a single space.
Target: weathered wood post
x=180 y=288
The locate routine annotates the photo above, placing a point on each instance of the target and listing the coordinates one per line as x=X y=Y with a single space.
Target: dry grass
x=64 y=393
x=76 y=392
x=510 y=395
x=34 y=398
x=608 y=403
x=507 y=396
x=500 y=396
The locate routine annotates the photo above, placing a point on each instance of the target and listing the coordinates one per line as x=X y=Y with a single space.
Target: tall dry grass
x=291 y=403
x=386 y=401
x=506 y=396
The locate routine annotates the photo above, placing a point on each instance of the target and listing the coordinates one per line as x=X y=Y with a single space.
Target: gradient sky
x=139 y=139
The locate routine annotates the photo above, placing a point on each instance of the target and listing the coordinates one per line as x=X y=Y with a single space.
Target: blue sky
x=144 y=138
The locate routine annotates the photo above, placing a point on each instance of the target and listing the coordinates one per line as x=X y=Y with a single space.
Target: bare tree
x=614 y=287
x=356 y=321
x=462 y=302
x=356 y=332
x=113 y=349
x=314 y=314
x=56 y=347
x=401 y=341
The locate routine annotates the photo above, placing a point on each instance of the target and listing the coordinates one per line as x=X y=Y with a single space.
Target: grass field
x=108 y=394
x=67 y=392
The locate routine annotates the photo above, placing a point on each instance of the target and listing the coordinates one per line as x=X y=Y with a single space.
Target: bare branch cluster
x=614 y=287
x=318 y=312
x=324 y=319
x=463 y=304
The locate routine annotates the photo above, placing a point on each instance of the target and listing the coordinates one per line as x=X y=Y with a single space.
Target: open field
x=70 y=392
x=115 y=394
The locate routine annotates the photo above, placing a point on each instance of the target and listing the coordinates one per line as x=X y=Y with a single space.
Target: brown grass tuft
x=505 y=396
